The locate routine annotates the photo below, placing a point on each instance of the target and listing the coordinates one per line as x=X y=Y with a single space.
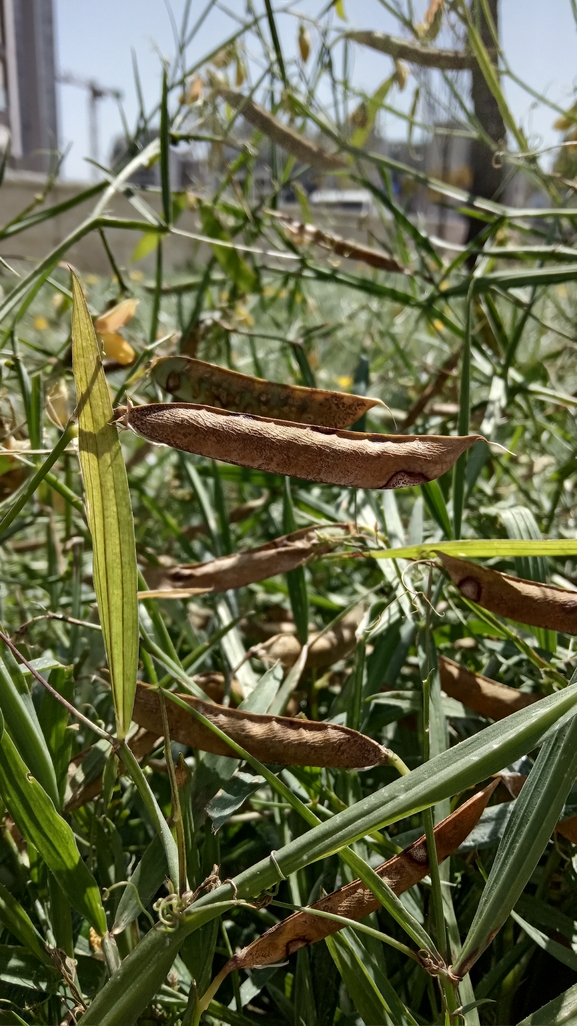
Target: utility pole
x=95 y=92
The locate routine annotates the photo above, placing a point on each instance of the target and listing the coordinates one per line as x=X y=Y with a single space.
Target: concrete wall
x=19 y=189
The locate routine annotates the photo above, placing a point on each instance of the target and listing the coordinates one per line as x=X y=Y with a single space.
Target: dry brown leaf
x=276 y=739
x=354 y=900
x=303 y=233
x=293 y=142
x=538 y=605
x=115 y=318
x=568 y=828
x=310 y=452
x=242 y=568
x=484 y=696
x=57 y=403
x=194 y=381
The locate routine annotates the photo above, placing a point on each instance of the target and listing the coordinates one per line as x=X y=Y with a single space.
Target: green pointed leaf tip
x=108 y=510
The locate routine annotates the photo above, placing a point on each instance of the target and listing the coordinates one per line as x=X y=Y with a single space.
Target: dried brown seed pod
x=275 y=739
x=293 y=142
x=194 y=381
x=538 y=605
x=242 y=568
x=484 y=696
x=354 y=900
x=310 y=452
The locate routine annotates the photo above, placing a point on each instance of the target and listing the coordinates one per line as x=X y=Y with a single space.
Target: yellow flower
x=40 y=323
x=117 y=348
x=345 y=381
x=438 y=325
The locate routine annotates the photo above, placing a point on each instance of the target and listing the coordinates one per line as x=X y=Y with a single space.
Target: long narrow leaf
x=109 y=512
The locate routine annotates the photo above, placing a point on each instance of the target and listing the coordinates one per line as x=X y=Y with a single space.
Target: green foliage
x=107 y=850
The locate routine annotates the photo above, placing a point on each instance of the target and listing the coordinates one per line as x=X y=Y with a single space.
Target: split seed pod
x=482 y=695
x=538 y=605
x=242 y=568
x=275 y=739
x=354 y=900
x=310 y=452
x=194 y=381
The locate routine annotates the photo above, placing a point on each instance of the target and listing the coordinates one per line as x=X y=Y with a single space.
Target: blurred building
x=28 y=111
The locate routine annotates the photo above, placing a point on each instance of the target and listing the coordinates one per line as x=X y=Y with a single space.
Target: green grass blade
x=40 y=824
x=21 y=720
x=15 y=919
x=296 y=582
x=109 y=512
x=437 y=506
x=533 y=819
x=363 y=991
x=463 y=424
x=561 y=1011
x=484 y=548
x=165 y=152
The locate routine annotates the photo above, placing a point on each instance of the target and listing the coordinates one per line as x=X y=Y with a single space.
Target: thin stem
x=176 y=809
x=55 y=694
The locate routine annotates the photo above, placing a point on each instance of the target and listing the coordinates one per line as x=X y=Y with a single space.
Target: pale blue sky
x=94 y=40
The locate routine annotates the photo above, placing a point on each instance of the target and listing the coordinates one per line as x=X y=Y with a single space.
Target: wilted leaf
x=108 y=510
x=484 y=696
x=242 y=568
x=194 y=381
x=354 y=900
x=539 y=605
x=274 y=739
x=310 y=452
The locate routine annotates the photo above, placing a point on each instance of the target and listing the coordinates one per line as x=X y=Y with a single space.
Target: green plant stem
x=176 y=809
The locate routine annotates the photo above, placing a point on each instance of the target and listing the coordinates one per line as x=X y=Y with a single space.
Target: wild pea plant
x=239 y=671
